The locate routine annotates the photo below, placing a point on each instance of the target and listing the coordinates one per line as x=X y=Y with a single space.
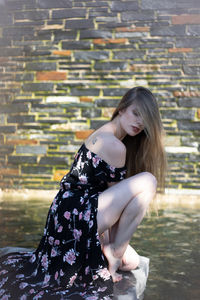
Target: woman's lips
x=135 y=129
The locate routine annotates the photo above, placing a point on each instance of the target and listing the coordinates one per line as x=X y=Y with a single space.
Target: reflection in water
x=171 y=241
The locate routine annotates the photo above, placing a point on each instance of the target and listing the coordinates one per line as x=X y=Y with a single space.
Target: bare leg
x=125 y=202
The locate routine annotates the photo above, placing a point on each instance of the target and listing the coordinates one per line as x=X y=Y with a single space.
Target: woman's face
x=131 y=120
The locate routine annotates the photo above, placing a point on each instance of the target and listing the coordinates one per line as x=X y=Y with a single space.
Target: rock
x=132 y=285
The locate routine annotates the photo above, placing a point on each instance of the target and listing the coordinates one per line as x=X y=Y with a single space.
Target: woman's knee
x=146 y=182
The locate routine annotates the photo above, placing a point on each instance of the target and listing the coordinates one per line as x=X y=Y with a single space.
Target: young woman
x=101 y=201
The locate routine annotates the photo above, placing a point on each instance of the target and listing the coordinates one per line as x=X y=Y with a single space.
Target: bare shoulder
x=109 y=148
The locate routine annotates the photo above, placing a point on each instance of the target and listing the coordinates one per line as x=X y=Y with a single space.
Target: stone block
x=95 y=124
x=79 y=24
x=91 y=113
x=17 y=160
x=53 y=4
x=7 y=129
x=50 y=160
x=84 y=45
x=157 y=4
x=186 y=19
x=186 y=125
x=106 y=102
x=51 y=75
x=189 y=102
x=138 y=16
x=31 y=149
x=36 y=170
x=5 y=149
x=84 y=92
x=93 y=34
x=83 y=134
x=5 y=42
x=68 y=13
x=20 y=119
x=191 y=70
x=110 y=65
x=11 y=52
x=32 y=15
x=41 y=66
x=17 y=31
x=115 y=91
x=177 y=30
x=193 y=30
x=33 y=87
x=129 y=54
x=91 y=55
x=187 y=114
x=62 y=35
x=187 y=42
x=2 y=119
x=24 y=77
x=119 y=6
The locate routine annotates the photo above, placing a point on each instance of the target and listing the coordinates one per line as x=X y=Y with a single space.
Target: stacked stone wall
x=64 y=66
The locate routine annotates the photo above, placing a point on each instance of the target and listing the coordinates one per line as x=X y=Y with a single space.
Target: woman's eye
x=135 y=113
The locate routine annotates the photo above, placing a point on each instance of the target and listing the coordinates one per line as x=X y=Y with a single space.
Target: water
x=171 y=241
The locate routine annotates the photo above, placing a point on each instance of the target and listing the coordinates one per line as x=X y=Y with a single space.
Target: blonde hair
x=145 y=151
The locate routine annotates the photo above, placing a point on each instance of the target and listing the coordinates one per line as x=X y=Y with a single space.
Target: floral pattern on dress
x=68 y=262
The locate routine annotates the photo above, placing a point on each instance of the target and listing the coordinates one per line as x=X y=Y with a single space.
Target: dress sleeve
x=106 y=172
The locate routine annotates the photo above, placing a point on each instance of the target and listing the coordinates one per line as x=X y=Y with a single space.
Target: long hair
x=145 y=151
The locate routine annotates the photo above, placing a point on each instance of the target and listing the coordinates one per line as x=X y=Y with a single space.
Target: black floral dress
x=68 y=263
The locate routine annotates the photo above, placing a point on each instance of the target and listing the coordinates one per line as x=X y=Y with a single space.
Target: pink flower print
x=87 y=215
x=95 y=161
x=57 y=242
x=61 y=273
x=83 y=179
x=46 y=278
x=104 y=273
x=80 y=216
x=112 y=168
x=38 y=296
x=56 y=275
x=71 y=280
x=103 y=289
x=88 y=243
x=66 y=194
x=20 y=276
x=23 y=285
x=81 y=200
x=31 y=291
x=56 y=220
x=60 y=228
x=92 y=298
x=75 y=211
x=77 y=234
x=50 y=239
x=89 y=155
x=67 y=185
x=23 y=297
x=33 y=258
x=2 y=291
x=44 y=261
x=90 y=224
x=94 y=277
x=53 y=252
x=3 y=272
x=70 y=257
x=112 y=175
x=67 y=215
x=87 y=269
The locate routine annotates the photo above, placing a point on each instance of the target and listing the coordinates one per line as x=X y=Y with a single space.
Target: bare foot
x=130 y=259
x=113 y=262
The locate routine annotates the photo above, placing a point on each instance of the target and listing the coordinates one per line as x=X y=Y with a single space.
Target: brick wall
x=64 y=65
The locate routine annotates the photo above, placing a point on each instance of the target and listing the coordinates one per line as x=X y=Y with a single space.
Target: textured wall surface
x=64 y=65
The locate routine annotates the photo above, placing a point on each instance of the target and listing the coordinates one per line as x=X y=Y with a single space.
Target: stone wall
x=64 y=65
